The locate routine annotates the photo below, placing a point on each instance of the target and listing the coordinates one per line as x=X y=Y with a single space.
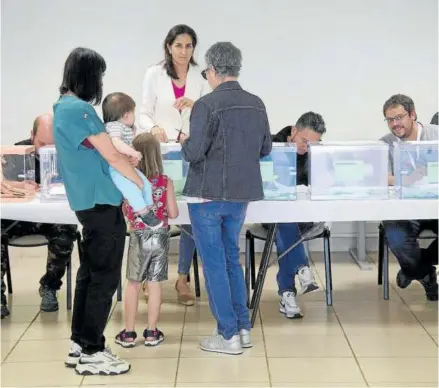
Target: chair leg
x=119 y=289
x=328 y=270
x=69 y=285
x=386 y=272
x=256 y=298
x=380 y=254
x=196 y=275
x=8 y=267
x=247 y=266
x=252 y=262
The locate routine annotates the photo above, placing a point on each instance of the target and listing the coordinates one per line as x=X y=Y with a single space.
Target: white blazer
x=157 y=107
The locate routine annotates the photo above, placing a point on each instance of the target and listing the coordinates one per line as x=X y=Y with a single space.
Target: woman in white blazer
x=171 y=87
x=169 y=92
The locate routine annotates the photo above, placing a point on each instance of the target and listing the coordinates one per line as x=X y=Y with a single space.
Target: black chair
x=262 y=234
x=383 y=257
x=33 y=241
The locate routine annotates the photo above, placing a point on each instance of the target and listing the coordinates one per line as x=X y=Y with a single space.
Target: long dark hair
x=179 y=29
x=83 y=71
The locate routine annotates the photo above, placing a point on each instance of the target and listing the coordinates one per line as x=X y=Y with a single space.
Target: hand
x=182 y=137
x=138 y=155
x=414 y=177
x=133 y=161
x=183 y=102
x=160 y=134
x=32 y=184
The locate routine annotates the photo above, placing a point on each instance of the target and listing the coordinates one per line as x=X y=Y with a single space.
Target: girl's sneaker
x=153 y=337
x=126 y=339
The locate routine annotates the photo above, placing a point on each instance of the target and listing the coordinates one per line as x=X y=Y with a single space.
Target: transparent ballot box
x=278 y=172
x=174 y=166
x=17 y=173
x=52 y=186
x=348 y=170
x=415 y=168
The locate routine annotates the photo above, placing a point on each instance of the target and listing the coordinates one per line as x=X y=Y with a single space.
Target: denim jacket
x=229 y=133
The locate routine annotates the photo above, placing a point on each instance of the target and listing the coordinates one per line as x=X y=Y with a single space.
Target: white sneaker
x=306 y=279
x=289 y=306
x=246 y=339
x=73 y=357
x=101 y=363
x=217 y=343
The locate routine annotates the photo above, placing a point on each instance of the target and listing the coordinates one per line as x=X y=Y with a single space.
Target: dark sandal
x=121 y=339
x=153 y=337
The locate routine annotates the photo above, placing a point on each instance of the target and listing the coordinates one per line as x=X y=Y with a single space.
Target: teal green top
x=85 y=172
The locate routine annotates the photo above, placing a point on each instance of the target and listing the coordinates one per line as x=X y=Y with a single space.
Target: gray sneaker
x=73 y=356
x=49 y=302
x=246 y=339
x=103 y=363
x=217 y=343
x=306 y=278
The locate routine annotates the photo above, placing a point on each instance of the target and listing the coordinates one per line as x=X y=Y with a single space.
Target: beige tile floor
x=360 y=341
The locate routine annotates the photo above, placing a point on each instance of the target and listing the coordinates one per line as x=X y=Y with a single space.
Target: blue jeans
x=138 y=199
x=186 y=249
x=287 y=235
x=216 y=226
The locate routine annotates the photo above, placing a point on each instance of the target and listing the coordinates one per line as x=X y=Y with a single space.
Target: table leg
x=359 y=254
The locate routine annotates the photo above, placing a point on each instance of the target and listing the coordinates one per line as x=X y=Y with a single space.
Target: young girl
x=148 y=249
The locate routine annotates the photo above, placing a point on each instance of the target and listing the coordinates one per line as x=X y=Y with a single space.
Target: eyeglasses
x=397 y=119
x=204 y=73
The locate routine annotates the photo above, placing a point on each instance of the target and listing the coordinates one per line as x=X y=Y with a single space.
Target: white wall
x=341 y=58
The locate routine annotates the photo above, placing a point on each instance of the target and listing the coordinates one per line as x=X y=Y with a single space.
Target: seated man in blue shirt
x=309 y=128
x=60 y=237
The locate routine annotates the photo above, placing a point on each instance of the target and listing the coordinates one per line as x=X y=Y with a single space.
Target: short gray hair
x=225 y=59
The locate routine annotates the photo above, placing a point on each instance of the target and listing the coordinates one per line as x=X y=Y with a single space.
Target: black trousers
x=402 y=238
x=104 y=231
x=60 y=238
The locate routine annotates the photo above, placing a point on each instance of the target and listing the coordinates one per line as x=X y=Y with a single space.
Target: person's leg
x=429 y=258
x=127 y=337
x=154 y=304
x=11 y=229
x=104 y=241
x=186 y=250
x=402 y=239
x=206 y=220
x=4 y=304
x=136 y=197
x=231 y=229
x=430 y=254
x=287 y=235
x=139 y=255
x=61 y=240
x=104 y=232
x=157 y=272
x=131 y=304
